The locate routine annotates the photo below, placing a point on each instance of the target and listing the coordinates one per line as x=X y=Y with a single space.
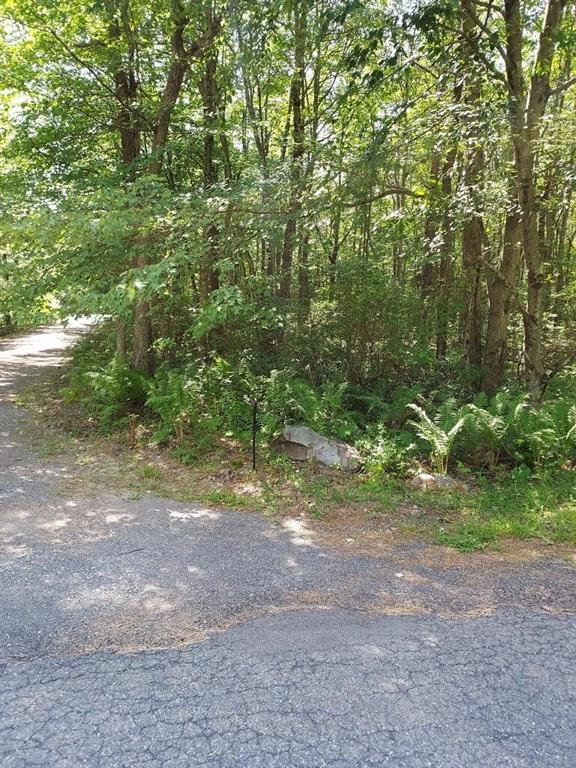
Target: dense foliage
x=359 y=214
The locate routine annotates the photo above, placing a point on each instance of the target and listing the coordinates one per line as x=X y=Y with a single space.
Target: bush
x=493 y=427
x=174 y=400
x=386 y=452
x=217 y=397
x=288 y=400
x=202 y=399
x=110 y=392
x=509 y=429
x=505 y=429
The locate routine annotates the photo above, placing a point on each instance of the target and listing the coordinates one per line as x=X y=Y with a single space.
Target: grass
x=541 y=507
x=513 y=506
x=150 y=472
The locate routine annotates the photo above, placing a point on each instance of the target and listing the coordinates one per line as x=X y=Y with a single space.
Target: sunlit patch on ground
x=196 y=514
x=300 y=533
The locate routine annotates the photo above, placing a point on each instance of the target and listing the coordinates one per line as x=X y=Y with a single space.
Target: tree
x=359 y=191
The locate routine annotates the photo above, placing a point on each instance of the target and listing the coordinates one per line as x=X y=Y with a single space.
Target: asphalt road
x=147 y=633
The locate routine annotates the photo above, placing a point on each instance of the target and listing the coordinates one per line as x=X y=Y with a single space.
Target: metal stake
x=254 y=408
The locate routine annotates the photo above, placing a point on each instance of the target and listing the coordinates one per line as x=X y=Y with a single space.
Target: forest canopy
x=346 y=206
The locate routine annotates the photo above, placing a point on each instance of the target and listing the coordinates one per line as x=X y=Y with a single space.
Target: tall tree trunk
x=445 y=267
x=120 y=339
x=208 y=91
x=297 y=108
x=427 y=273
x=334 y=251
x=473 y=228
x=526 y=113
x=304 y=296
x=472 y=240
x=142 y=357
x=502 y=283
x=127 y=121
x=182 y=55
x=439 y=235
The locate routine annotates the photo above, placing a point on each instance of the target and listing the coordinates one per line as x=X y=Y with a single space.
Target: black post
x=254 y=407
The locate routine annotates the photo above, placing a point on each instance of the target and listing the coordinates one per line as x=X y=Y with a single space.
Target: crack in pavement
x=301 y=689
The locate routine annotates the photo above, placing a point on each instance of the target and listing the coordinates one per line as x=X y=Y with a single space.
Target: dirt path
x=147 y=632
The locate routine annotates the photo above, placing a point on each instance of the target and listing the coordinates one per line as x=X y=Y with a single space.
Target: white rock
x=302 y=443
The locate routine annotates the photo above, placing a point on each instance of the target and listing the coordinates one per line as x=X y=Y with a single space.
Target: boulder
x=301 y=443
x=424 y=481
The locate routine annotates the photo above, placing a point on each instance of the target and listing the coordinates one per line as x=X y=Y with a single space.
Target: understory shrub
x=508 y=429
x=217 y=397
x=386 y=452
x=289 y=400
x=202 y=398
x=110 y=390
x=208 y=398
x=505 y=429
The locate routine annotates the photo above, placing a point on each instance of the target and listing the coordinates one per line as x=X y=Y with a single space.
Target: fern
x=113 y=391
x=173 y=398
x=439 y=433
x=572 y=418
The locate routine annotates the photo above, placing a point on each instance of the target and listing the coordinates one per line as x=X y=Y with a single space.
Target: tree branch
x=483 y=27
x=99 y=79
x=561 y=87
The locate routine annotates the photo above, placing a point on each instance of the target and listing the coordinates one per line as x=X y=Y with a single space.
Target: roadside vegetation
x=354 y=216
x=187 y=433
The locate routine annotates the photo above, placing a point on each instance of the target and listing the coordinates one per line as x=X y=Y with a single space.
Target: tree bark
x=297 y=108
x=427 y=273
x=142 y=358
x=472 y=239
x=473 y=229
x=120 y=339
x=182 y=57
x=127 y=121
x=501 y=284
x=445 y=267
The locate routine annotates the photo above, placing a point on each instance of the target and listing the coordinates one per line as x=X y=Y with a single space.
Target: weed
x=150 y=472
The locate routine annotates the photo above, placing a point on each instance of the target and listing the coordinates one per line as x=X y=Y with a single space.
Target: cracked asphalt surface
x=149 y=633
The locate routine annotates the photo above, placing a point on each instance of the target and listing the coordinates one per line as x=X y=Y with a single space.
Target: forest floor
x=140 y=630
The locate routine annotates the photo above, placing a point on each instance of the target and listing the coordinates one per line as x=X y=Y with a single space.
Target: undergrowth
x=516 y=458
